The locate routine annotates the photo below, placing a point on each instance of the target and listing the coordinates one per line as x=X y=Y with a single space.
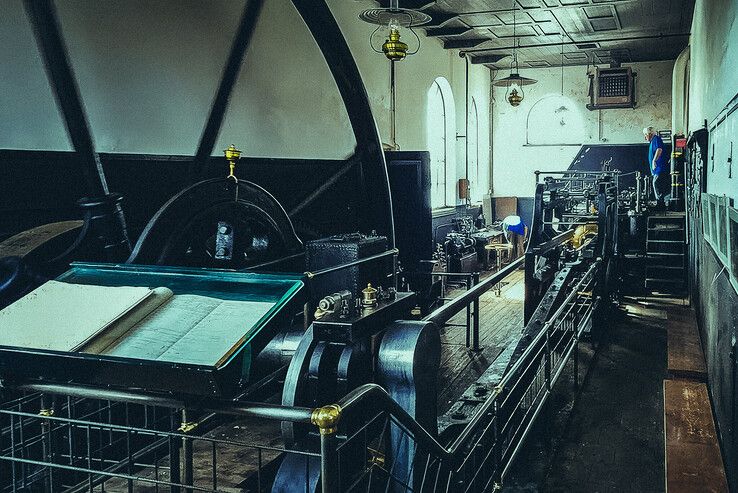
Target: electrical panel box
x=612 y=88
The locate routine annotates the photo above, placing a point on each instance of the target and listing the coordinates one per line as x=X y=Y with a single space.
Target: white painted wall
x=148 y=72
x=680 y=94
x=714 y=58
x=713 y=83
x=514 y=160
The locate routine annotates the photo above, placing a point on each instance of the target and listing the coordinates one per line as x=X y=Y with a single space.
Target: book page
x=62 y=316
x=191 y=329
x=118 y=329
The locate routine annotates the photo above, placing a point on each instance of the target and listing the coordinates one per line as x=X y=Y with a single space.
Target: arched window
x=440 y=135
x=475 y=178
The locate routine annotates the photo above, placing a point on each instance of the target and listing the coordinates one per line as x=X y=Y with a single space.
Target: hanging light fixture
x=392 y=21
x=514 y=81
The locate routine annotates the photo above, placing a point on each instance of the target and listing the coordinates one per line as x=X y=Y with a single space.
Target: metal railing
x=470 y=298
x=481 y=454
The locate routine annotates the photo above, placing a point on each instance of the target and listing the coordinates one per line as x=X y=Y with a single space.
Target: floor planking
x=499 y=317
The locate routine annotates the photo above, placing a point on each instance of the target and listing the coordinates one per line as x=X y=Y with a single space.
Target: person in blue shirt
x=515 y=230
x=659 y=166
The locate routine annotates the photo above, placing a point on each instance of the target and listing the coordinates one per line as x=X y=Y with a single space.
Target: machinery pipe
x=445 y=312
x=554 y=242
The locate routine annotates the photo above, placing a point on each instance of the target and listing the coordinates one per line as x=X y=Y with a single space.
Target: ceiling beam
x=453 y=44
x=485 y=59
x=444 y=17
x=473 y=43
x=446 y=31
x=438 y=19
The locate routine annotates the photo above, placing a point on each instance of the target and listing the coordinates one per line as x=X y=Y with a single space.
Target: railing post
x=475 y=310
x=468 y=310
x=497 y=449
x=185 y=428
x=47 y=439
x=326 y=419
x=576 y=360
x=547 y=363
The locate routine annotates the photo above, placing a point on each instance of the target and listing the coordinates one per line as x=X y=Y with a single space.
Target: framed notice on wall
x=706 y=218
x=733 y=246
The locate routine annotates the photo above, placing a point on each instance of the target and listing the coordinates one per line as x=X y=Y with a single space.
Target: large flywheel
x=221 y=223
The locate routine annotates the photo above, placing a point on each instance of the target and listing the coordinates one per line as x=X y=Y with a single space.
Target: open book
x=134 y=322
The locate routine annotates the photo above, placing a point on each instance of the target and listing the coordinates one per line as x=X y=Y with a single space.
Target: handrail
x=326 y=418
x=224 y=406
x=444 y=313
x=484 y=408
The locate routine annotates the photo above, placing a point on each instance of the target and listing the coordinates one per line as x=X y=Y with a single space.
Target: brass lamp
x=394 y=19
x=514 y=81
x=514 y=98
x=394 y=49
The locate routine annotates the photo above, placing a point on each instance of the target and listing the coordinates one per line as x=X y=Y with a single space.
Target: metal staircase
x=666 y=253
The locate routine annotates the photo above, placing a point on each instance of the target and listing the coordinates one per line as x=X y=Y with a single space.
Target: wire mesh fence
x=81 y=444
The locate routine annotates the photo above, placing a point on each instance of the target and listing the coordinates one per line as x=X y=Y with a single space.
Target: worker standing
x=659 y=166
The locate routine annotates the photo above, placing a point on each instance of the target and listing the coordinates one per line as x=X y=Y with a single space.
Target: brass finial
x=232 y=154
x=369 y=296
x=326 y=418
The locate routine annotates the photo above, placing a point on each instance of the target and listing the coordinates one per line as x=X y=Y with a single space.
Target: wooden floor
x=501 y=317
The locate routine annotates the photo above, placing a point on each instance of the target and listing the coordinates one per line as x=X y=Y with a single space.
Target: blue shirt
x=514 y=224
x=661 y=164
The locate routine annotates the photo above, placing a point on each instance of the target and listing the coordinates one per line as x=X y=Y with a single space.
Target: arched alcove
x=555 y=120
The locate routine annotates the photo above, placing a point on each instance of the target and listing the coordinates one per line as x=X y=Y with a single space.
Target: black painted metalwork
x=64 y=85
x=185 y=229
x=407 y=367
x=198 y=168
x=376 y=202
x=105 y=231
